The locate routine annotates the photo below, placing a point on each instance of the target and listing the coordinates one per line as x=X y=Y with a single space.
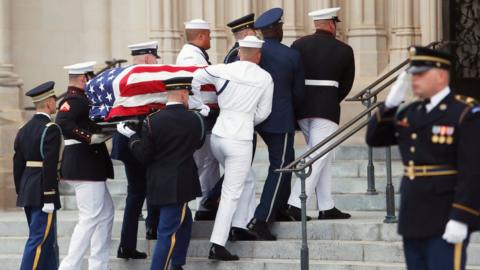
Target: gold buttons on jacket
x=412 y=149
x=414 y=136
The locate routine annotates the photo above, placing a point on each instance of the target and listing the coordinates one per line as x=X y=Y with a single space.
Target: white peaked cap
x=144 y=45
x=251 y=42
x=197 y=24
x=80 y=68
x=324 y=14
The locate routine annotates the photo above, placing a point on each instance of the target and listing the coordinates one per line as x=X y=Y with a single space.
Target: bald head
x=326 y=25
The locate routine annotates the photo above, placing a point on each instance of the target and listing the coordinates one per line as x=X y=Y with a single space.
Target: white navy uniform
x=245 y=94
x=208 y=168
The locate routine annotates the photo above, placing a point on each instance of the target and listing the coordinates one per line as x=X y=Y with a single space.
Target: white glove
x=48 y=208
x=99 y=138
x=205 y=110
x=455 y=232
x=124 y=130
x=399 y=88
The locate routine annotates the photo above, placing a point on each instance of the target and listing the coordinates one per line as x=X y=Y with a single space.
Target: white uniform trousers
x=247 y=204
x=236 y=157
x=316 y=130
x=208 y=171
x=94 y=227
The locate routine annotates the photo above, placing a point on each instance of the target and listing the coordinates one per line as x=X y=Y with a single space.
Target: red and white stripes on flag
x=139 y=89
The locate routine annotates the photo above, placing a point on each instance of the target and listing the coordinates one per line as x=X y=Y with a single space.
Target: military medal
x=449 y=132
x=435 y=139
x=435 y=131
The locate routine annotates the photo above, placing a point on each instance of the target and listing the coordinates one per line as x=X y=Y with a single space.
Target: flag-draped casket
x=123 y=93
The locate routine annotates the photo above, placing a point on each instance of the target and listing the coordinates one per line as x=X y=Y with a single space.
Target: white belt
x=71 y=142
x=321 y=83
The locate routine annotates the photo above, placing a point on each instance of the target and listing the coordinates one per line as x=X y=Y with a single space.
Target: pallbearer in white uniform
x=245 y=94
x=194 y=53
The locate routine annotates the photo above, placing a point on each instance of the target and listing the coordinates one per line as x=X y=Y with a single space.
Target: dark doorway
x=462 y=26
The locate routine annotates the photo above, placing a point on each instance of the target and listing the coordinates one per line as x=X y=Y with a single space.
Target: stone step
x=339 y=185
x=368 y=226
x=345 y=202
x=12 y=262
x=330 y=250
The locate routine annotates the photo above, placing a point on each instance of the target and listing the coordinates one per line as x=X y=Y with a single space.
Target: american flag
x=136 y=90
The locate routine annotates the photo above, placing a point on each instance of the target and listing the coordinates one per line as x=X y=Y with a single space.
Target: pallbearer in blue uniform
x=329 y=73
x=438 y=140
x=143 y=53
x=166 y=145
x=35 y=170
x=285 y=67
x=241 y=28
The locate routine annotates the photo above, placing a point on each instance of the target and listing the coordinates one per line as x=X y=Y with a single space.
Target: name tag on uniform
x=442 y=134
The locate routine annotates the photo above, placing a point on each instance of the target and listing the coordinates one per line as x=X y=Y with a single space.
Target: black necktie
x=425 y=102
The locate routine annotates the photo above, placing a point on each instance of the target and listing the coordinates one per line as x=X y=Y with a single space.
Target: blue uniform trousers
x=277 y=185
x=40 y=250
x=136 y=193
x=434 y=254
x=173 y=236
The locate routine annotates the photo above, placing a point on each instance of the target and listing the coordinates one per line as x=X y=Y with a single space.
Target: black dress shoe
x=151 y=234
x=261 y=230
x=333 y=213
x=220 y=253
x=205 y=215
x=130 y=254
x=295 y=214
x=178 y=267
x=239 y=234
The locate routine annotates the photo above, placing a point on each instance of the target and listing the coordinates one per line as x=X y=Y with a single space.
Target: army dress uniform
x=166 y=145
x=208 y=167
x=277 y=131
x=438 y=142
x=86 y=165
x=135 y=172
x=329 y=72
x=38 y=145
x=242 y=23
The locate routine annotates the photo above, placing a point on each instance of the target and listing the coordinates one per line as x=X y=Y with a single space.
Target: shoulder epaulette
x=466 y=100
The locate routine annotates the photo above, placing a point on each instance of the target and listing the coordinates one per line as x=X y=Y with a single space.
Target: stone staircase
x=363 y=242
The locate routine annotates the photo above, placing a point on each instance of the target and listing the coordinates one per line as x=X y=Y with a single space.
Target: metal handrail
x=109 y=64
x=360 y=96
x=291 y=167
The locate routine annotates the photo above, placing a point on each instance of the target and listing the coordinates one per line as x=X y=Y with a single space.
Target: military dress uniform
x=438 y=142
x=242 y=23
x=86 y=165
x=208 y=167
x=38 y=145
x=135 y=172
x=245 y=99
x=329 y=72
x=285 y=66
x=168 y=140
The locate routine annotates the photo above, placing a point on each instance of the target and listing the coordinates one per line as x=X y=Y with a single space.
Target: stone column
x=431 y=21
x=165 y=27
x=367 y=36
x=293 y=24
x=237 y=9
x=404 y=30
x=10 y=108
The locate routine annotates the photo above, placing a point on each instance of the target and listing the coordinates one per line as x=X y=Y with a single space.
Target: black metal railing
x=108 y=65
x=302 y=166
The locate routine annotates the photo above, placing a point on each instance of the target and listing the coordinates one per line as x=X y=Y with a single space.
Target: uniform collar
x=203 y=51
x=437 y=98
x=45 y=114
x=75 y=90
x=174 y=103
